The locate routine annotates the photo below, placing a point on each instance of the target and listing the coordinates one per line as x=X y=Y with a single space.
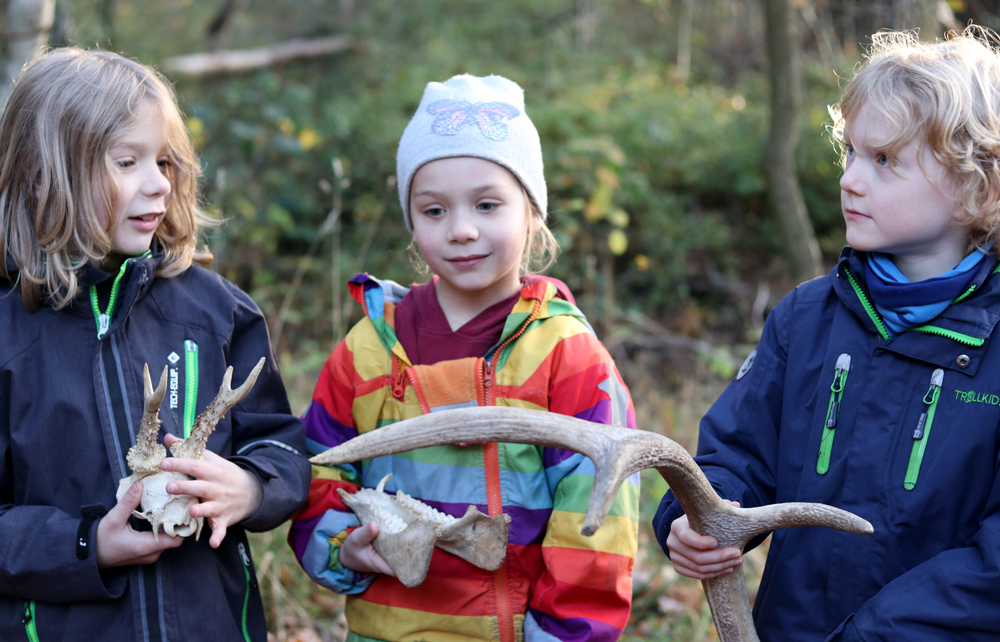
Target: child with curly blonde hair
x=877 y=388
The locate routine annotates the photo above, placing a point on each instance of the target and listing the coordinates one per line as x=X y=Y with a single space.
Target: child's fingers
x=695 y=540
x=218 y=532
x=702 y=572
x=193 y=467
x=119 y=514
x=194 y=487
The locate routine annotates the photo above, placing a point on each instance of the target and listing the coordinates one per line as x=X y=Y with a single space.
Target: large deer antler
x=616 y=453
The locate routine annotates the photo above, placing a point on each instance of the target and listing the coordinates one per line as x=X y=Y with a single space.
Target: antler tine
x=194 y=446
x=616 y=453
x=145 y=456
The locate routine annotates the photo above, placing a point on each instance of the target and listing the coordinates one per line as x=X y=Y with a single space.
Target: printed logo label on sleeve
x=745 y=368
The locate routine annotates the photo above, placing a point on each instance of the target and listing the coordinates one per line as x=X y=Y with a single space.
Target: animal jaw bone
x=159 y=508
x=616 y=453
x=409 y=530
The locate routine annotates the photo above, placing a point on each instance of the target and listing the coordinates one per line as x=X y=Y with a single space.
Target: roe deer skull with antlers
x=159 y=508
x=616 y=453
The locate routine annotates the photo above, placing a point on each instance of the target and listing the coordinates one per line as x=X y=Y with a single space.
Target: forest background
x=655 y=118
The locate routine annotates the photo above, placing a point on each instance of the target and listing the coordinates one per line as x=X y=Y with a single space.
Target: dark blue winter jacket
x=70 y=406
x=904 y=432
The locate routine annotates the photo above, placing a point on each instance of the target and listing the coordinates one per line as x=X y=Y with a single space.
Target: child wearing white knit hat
x=482 y=332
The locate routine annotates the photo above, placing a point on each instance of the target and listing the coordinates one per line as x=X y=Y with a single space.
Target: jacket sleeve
x=951 y=596
x=268 y=439
x=320 y=528
x=585 y=588
x=46 y=553
x=738 y=437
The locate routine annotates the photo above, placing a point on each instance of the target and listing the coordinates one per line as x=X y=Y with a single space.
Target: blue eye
x=882 y=160
x=850 y=150
x=486 y=207
x=125 y=164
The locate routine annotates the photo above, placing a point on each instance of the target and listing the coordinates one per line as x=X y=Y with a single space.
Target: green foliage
x=653 y=182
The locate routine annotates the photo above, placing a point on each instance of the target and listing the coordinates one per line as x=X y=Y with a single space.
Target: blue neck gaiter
x=904 y=305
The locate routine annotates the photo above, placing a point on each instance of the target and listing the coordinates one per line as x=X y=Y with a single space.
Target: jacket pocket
x=840 y=373
x=251 y=584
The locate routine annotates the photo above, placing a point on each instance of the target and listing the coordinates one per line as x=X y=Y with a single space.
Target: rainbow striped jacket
x=555 y=584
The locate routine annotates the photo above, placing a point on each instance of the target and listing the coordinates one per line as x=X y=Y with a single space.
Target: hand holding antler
x=229 y=494
x=169 y=499
x=616 y=453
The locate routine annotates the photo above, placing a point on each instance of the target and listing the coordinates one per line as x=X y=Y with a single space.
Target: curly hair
x=947 y=94
x=65 y=112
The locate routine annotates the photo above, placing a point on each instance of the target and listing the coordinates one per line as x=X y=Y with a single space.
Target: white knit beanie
x=470 y=116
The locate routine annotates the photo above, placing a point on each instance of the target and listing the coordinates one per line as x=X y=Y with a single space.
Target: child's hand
x=229 y=494
x=117 y=544
x=698 y=556
x=358 y=554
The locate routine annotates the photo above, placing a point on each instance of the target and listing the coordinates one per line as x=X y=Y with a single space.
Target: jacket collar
x=956 y=339
x=137 y=279
x=379 y=297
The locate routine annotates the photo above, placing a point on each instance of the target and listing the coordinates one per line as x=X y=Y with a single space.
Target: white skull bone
x=159 y=508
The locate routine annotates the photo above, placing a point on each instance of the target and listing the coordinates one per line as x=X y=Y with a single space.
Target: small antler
x=145 y=456
x=194 y=446
x=616 y=453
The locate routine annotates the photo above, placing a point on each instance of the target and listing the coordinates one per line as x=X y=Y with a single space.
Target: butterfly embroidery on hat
x=452 y=115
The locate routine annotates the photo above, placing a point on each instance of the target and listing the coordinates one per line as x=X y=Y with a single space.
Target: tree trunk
x=784 y=192
x=926 y=20
x=684 y=20
x=28 y=25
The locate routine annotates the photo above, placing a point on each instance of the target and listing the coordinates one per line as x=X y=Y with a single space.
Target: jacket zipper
x=190 y=385
x=867 y=304
x=974 y=342
x=840 y=373
x=29 y=621
x=249 y=573
x=491 y=457
x=103 y=319
x=923 y=430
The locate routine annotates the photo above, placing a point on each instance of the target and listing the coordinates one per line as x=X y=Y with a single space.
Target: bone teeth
x=423 y=510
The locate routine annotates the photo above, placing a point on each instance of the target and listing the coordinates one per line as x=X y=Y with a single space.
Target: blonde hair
x=540 y=247
x=947 y=94
x=64 y=113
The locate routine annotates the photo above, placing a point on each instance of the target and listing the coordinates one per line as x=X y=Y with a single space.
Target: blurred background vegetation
x=653 y=116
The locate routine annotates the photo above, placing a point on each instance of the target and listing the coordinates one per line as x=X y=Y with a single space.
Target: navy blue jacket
x=916 y=460
x=70 y=406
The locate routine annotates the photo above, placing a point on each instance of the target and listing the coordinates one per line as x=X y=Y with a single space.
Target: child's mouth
x=467 y=261
x=147 y=222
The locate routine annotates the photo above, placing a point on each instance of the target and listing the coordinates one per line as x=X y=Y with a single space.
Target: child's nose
x=463 y=228
x=851 y=181
x=157 y=183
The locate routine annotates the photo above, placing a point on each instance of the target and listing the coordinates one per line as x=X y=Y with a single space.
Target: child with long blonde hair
x=482 y=332
x=99 y=232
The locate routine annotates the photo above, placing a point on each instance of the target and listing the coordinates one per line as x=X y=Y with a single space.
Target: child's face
x=142 y=166
x=470 y=221
x=903 y=205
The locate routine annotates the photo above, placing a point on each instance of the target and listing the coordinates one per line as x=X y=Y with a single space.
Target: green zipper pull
x=923 y=429
x=30 y=628
x=833 y=412
x=103 y=319
x=190 y=385
x=251 y=580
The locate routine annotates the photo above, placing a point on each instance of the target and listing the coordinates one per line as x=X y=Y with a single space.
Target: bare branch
x=235 y=61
